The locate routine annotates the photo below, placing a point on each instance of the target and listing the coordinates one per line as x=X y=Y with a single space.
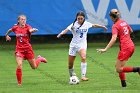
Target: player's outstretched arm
x=99 y=26
x=62 y=33
x=110 y=44
x=33 y=30
x=8 y=38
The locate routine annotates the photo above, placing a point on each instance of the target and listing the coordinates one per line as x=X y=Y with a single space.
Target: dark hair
x=114 y=14
x=80 y=13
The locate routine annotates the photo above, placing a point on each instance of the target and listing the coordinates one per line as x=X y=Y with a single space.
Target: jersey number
x=125 y=29
x=20 y=38
x=81 y=35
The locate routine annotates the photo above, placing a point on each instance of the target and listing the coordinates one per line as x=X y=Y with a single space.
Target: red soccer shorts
x=26 y=54
x=125 y=54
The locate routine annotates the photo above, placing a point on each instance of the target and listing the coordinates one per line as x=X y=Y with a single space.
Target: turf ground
x=53 y=77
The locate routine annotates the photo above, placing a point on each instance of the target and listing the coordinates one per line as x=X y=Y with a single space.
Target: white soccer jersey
x=79 y=34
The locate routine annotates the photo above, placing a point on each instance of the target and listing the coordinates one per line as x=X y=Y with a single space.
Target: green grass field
x=53 y=77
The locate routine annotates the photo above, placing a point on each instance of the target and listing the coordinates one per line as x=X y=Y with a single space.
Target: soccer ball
x=74 y=80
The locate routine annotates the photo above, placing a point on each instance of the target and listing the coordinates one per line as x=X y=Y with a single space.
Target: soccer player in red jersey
x=23 y=47
x=122 y=31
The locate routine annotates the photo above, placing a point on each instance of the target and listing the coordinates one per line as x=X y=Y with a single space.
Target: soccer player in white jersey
x=79 y=29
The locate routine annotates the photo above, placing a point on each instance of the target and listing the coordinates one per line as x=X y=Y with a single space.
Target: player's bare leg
x=70 y=65
x=82 y=54
x=32 y=63
x=35 y=63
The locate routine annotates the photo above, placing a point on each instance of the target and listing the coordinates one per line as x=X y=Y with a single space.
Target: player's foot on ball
x=42 y=59
x=84 y=79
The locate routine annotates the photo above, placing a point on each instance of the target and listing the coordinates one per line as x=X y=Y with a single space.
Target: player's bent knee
x=19 y=66
x=118 y=70
x=83 y=59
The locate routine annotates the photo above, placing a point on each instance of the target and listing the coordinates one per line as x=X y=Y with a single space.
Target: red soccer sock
x=122 y=76
x=127 y=69
x=19 y=75
x=37 y=62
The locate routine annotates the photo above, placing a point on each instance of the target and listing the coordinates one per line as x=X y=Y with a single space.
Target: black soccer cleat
x=139 y=71
x=123 y=82
x=136 y=69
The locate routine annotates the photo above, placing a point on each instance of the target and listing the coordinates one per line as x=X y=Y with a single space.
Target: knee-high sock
x=131 y=69
x=83 y=69
x=71 y=72
x=122 y=76
x=19 y=75
x=127 y=69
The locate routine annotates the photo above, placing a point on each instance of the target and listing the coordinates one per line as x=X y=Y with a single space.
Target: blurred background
x=52 y=16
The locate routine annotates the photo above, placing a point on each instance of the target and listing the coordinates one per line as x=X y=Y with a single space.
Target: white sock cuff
x=83 y=63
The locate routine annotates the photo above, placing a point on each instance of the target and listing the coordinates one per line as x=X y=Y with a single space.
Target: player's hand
x=33 y=30
x=101 y=50
x=8 y=38
x=59 y=35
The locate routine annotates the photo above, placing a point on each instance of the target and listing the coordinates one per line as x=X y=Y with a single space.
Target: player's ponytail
x=72 y=28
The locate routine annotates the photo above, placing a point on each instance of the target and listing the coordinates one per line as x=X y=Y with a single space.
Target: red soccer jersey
x=22 y=37
x=122 y=29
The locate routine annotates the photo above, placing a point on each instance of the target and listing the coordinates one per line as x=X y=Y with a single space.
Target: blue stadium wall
x=52 y=16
